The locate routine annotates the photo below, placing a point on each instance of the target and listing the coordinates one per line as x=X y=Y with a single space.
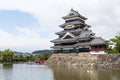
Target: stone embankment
x=86 y=60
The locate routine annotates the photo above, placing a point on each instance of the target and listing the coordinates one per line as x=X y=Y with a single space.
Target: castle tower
x=76 y=37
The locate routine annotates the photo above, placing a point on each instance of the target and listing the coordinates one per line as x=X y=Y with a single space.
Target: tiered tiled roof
x=75 y=30
x=73 y=14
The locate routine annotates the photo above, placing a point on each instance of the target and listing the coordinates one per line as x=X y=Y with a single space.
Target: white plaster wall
x=98 y=52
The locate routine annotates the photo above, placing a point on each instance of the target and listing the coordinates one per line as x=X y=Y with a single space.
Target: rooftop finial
x=72 y=9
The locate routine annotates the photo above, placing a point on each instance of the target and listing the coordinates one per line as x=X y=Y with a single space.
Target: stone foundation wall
x=86 y=60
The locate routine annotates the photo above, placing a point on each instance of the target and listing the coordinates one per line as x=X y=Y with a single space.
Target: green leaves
x=43 y=56
x=7 y=55
x=116 y=41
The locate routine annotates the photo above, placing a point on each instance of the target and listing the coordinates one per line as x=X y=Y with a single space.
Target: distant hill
x=21 y=53
x=42 y=51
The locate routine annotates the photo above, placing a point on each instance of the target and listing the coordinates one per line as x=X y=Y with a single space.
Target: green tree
x=31 y=58
x=116 y=41
x=16 y=58
x=0 y=56
x=39 y=56
x=7 y=55
x=109 y=47
x=46 y=55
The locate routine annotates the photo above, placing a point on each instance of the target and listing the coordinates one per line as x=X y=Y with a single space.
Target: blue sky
x=9 y=19
x=28 y=25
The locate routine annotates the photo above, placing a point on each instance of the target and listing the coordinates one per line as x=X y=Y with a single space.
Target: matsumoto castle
x=76 y=37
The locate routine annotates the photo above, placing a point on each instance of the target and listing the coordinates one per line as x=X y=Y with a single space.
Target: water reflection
x=25 y=72
x=108 y=75
x=77 y=73
x=41 y=72
x=7 y=66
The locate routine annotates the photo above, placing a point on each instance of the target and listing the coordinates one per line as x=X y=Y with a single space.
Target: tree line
x=9 y=56
x=114 y=45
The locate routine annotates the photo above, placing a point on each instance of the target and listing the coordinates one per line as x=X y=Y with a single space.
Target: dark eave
x=83 y=44
x=82 y=17
x=58 y=47
x=63 y=32
x=64 y=40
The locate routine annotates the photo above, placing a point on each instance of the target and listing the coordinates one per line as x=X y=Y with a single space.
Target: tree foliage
x=43 y=56
x=116 y=41
x=7 y=55
x=109 y=47
x=23 y=58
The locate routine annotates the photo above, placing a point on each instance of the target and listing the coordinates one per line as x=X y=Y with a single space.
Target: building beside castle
x=76 y=37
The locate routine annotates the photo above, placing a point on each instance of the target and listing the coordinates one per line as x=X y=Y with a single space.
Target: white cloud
x=103 y=16
x=24 y=43
x=29 y=32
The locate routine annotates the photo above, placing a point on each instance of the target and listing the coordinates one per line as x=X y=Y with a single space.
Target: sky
x=29 y=25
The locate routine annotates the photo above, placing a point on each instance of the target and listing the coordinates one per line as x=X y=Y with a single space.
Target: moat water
x=42 y=72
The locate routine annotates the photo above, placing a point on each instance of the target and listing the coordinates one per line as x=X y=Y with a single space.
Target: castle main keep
x=76 y=37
